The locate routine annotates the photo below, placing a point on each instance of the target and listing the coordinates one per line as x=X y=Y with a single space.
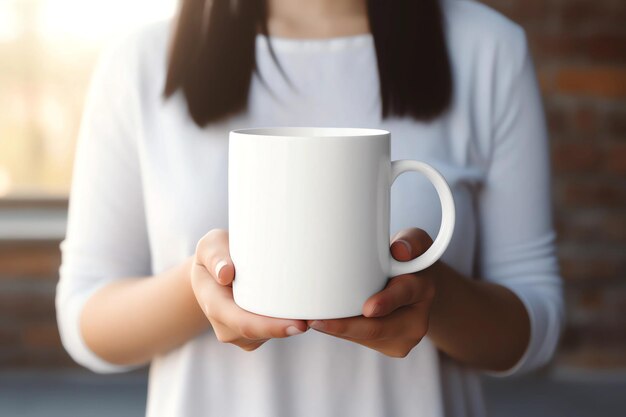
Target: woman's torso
x=184 y=178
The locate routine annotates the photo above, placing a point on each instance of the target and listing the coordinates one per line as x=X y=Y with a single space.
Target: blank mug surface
x=308 y=220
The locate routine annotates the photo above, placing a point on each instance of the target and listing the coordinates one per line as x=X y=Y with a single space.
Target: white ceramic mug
x=308 y=218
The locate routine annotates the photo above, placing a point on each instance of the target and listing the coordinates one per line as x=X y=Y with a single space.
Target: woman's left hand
x=395 y=319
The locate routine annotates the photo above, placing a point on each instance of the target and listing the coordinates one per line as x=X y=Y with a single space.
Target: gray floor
x=71 y=394
x=564 y=394
x=79 y=394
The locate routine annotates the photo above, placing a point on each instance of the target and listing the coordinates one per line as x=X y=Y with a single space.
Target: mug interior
x=312 y=132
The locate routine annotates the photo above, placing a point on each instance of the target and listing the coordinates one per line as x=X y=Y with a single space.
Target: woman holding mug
x=147 y=276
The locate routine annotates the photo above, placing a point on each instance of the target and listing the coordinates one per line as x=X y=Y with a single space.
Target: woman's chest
x=186 y=169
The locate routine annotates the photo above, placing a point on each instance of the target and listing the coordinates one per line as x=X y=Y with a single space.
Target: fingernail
x=293 y=330
x=406 y=244
x=317 y=324
x=221 y=264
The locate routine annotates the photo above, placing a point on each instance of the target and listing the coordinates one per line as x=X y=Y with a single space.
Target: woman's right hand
x=212 y=273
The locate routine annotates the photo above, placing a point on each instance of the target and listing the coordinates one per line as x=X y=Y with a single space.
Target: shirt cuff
x=543 y=305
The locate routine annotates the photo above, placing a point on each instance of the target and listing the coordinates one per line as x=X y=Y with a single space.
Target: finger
x=219 y=304
x=257 y=327
x=214 y=254
x=358 y=327
x=225 y=334
x=410 y=243
x=252 y=345
x=401 y=291
x=364 y=328
x=395 y=349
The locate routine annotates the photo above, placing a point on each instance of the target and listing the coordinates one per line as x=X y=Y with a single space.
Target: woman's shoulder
x=473 y=25
x=142 y=38
x=150 y=40
x=137 y=54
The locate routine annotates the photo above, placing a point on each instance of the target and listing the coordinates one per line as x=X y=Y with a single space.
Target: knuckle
x=337 y=327
x=202 y=252
x=422 y=236
x=214 y=233
x=246 y=331
x=417 y=341
x=421 y=239
x=374 y=331
x=249 y=347
x=409 y=290
x=223 y=337
x=403 y=350
x=397 y=353
x=219 y=336
x=276 y=333
x=209 y=239
x=199 y=249
x=394 y=282
x=417 y=331
x=402 y=353
x=412 y=342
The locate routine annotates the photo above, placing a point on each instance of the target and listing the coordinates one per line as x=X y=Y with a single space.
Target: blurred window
x=47 y=52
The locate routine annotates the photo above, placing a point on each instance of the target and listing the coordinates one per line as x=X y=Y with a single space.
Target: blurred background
x=47 y=51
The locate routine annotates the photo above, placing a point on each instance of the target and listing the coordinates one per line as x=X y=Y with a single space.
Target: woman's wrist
x=196 y=316
x=477 y=323
x=439 y=313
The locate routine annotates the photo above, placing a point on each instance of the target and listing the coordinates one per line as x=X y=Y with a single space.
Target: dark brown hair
x=212 y=56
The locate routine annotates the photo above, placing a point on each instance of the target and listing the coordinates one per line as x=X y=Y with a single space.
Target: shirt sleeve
x=106 y=235
x=517 y=239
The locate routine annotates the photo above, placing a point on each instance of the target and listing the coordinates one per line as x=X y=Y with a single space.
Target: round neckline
x=336 y=43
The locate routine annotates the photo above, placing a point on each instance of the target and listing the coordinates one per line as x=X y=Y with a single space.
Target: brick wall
x=28 y=332
x=580 y=52
x=579 y=48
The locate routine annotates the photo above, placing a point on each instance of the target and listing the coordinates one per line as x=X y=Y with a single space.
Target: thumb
x=213 y=252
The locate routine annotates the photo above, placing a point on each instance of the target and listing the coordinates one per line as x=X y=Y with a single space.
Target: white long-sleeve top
x=148 y=184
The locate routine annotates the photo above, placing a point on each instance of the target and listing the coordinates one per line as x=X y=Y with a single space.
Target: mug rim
x=313 y=132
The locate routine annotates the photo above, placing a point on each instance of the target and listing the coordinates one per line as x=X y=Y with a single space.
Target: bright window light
x=97 y=19
x=47 y=52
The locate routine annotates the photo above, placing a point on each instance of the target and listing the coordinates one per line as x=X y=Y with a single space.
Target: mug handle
x=447 y=218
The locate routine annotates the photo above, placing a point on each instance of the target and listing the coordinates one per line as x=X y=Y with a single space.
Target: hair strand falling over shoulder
x=212 y=56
